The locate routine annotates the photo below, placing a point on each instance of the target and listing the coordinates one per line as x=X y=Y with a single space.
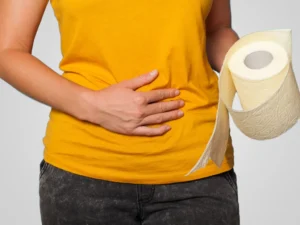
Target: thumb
x=141 y=80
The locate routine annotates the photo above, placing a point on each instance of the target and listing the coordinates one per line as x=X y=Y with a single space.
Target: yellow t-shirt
x=104 y=42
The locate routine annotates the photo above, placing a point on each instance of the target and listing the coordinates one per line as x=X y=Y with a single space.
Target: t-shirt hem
x=210 y=170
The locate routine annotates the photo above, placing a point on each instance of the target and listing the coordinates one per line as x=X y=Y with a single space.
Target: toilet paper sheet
x=258 y=68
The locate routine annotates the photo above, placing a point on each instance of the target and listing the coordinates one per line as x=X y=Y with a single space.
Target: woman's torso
x=104 y=42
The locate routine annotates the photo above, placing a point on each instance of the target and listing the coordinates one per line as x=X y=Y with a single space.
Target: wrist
x=86 y=105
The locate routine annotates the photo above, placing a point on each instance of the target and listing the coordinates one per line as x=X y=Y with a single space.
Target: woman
x=131 y=113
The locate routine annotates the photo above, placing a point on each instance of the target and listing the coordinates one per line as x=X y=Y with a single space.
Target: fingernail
x=181 y=103
x=168 y=127
x=153 y=73
x=177 y=92
x=180 y=113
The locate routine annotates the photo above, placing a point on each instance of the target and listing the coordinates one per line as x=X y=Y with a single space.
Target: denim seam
x=231 y=182
x=149 y=199
x=139 y=206
x=44 y=167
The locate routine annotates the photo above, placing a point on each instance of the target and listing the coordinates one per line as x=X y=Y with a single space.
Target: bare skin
x=219 y=33
x=130 y=115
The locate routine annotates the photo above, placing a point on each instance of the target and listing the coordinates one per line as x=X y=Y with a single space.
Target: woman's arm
x=118 y=108
x=19 y=23
x=220 y=35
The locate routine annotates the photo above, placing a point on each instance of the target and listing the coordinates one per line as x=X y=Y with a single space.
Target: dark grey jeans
x=69 y=199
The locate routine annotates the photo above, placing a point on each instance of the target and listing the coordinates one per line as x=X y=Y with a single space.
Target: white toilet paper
x=258 y=68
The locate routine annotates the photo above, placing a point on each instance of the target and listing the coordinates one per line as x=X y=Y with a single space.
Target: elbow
x=14 y=45
x=222 y=31
x=2 y=58
x=6 y=52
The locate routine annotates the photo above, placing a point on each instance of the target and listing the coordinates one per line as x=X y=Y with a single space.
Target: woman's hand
x=122 y=109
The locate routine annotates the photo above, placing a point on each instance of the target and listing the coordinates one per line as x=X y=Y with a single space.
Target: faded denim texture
x=69 y=199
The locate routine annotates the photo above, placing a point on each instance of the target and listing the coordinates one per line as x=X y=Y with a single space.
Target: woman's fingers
x=160 y=94
x=162 y=107
x=140 y=81
x=162 y=117
x=147 y=131
x=144 y=130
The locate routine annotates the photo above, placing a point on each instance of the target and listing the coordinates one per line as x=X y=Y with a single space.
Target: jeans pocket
x=231 y=178
x=43 y=168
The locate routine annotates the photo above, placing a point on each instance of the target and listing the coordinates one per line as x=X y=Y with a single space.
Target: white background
x=268 y=171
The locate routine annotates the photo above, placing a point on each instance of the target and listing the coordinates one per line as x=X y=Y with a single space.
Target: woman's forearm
x=33 y=78
x=218 y=44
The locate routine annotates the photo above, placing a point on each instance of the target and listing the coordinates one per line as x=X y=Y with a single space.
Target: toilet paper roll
x=258 y=68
